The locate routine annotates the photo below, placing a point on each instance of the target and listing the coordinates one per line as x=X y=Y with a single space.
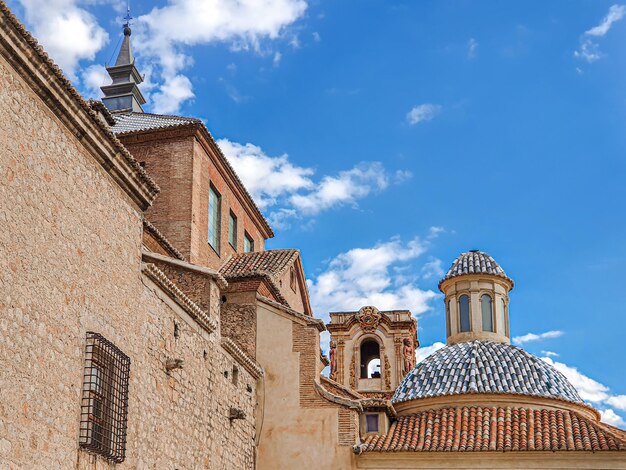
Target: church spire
x=124 y=94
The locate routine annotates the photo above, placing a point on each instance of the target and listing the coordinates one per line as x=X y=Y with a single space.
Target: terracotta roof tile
x=495 y=429
x=270 y=262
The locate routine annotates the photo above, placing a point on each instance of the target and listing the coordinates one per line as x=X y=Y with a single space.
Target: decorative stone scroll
x=353 y=373
x=387 y=373
x=369 y=318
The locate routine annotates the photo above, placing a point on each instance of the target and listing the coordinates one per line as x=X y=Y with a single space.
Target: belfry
x=124 y=94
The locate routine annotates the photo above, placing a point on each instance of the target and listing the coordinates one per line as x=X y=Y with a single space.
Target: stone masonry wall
x=70 y=260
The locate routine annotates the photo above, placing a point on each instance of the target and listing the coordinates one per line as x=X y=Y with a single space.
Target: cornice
x=159 y=278
x=242 y=358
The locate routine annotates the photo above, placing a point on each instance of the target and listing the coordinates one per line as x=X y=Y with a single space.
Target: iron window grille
x=104 y=406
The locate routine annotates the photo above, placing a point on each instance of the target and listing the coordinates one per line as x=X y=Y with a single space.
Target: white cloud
x=472 y=48
x=316 y=36
x=289 y=191
x=432 y=268
x=68 y=32
x=589 y=50
x=345 y=188
x=422 y=113
x=616 y=13
x=266 y=178
x=549 y=353
x=425 y=351
x=588 y=388
x=277 y=57
x=170 y=94
x=536 y=337
x=617 y=401
x=93 y=77
x=610 y=417
x=363 y=276
x=165 y=34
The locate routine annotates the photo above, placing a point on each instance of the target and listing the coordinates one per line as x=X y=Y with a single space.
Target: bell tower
x=476 y=293
x=371 y=350
x=124 y=94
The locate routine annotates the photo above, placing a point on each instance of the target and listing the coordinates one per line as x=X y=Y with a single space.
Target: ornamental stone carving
x=387 y=373
x=332 y=356
x=408 y=353
x=369 y=318
x=353 y=373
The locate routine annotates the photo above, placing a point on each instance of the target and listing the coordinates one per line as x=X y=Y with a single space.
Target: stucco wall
x=297 y=430
x=70 y=261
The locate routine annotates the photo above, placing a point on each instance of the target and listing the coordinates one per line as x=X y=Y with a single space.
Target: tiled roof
x=495 y=429
x=484 y=367
x=270 y=262
x=475 y=262
x=137 y=122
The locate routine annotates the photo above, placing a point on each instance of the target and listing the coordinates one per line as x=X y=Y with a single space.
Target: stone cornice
x=352 y=404
x=242 y=358
x=148 y=227
x=319 y=324
x=149 y=256
x=20 y=49
x=159 y=278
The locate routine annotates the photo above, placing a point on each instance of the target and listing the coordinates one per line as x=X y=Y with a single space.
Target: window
x=464 y=313
x=448 y=313
x=248 y=243
x=104 y=405
x=215 y=202
x=370 y=360
x=505 y=323
x=232 y=230
x=292 y=279
x=371 y=423
x=487 y=311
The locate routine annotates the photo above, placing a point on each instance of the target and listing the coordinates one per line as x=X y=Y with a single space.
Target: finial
x=127 y=30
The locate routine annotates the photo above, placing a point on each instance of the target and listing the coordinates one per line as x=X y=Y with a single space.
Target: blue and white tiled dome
x=475 y=262
x=484 y=367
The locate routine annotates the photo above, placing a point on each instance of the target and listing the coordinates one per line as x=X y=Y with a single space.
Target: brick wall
x=169 y=162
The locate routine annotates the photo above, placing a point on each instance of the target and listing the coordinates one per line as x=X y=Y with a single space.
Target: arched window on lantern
x=370 y=359
x=487 y=311
x=464 y=313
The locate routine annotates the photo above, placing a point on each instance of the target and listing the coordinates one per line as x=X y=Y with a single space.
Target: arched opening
x=487 y=311
x=370 y=359
x=464 y=313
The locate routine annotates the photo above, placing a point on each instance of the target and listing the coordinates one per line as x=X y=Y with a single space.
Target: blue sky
x=383 y=138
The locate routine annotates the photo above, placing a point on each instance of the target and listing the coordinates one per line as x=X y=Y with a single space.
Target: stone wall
x=70 y=262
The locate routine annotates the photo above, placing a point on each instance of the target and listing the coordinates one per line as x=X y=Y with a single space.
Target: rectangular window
x=232 y=230
x=371 y=423
x=248 y=243
x=104 y=404
x=215 y=202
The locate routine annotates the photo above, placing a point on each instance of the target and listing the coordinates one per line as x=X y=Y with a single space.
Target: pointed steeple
x=124 y=94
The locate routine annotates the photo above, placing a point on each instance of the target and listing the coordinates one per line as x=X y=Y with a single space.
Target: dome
x=484 y=367
x=475 y=262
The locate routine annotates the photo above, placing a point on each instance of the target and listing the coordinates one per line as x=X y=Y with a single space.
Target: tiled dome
x=475 y=262
x=484 y=367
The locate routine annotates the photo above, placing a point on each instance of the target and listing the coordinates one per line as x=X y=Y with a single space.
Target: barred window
x=104 y=406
